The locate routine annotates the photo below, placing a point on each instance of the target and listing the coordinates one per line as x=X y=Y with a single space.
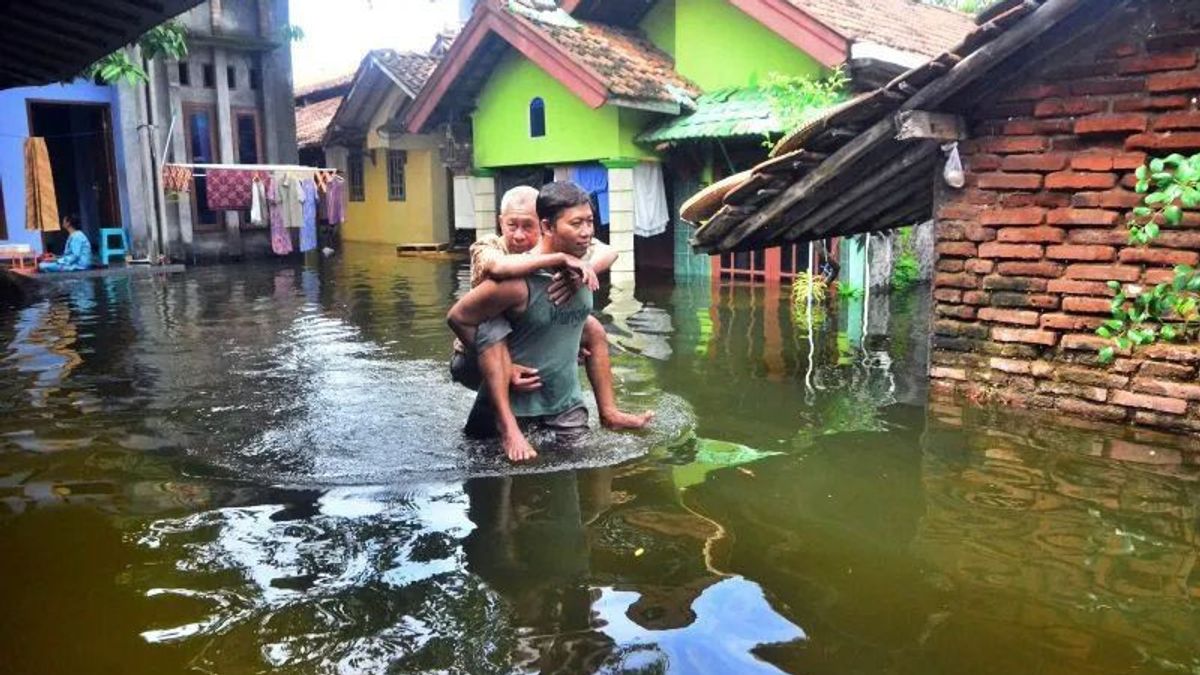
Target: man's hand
x=525 y=379
x=583 y=271
x=567 y=282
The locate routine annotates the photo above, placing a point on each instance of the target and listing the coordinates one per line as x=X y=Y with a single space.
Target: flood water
x=258 y=468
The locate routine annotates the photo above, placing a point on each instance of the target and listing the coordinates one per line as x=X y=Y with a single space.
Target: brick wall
x=1026 y=248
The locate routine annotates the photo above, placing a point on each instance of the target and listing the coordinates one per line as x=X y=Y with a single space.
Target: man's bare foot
x=619 y=419
x=517 y=448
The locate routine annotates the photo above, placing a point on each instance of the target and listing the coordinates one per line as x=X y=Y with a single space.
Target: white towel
x=650 y=212
x=464 y=203
x=258 y=203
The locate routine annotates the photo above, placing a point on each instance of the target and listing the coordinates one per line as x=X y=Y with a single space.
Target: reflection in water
x=259 y=468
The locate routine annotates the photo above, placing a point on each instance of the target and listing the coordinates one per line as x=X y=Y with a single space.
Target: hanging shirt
x=281 y=239
x=594 y=179
x=291 y=198
x=41 y=203
x=335 y=202
x=308 y=226
x=650 y=212
x=258 y=202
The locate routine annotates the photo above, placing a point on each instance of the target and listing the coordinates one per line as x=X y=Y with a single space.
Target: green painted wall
x=716 y=45
x=659 y=25
x=574 y=132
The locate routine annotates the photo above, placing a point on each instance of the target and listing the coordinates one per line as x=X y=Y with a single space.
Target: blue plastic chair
x=108 y=249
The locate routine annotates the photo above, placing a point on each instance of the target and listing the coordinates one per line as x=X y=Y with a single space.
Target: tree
x=168 y=39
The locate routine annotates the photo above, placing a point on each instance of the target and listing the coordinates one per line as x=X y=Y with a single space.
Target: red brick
x=1174 y=82
x=1160 y=256
x=949 y=231
x=957 y=311
x=1108 y=85
x=1051 y=127
x=1081 y=252
x=1018 y=200
x=1177 y=120
x=1112 y=124
x=958 y=212
x=949 y=265
x=945 y=280
x=1068 y=107
x=1190 y=392
x=960 y=249
x=982 y=162
x=1071 y=180
x=1005 y=110
x=1104 y=272
x=1119 y=237
x=1143 y=102
x=1168 y=371
x=1153 y=277
x=1147 y=402
x=1084 y=343
x=1000 y=282
x=1108 y=413
x=1032 y=92
x=978 y=233
x=1040 y=268
x=1049 y=161
x=1086 y=305
x=1007 y=145
x=1128 y=161
x=977 y=266
x=1020 y=251
x=1093 y=161
x=1149 y=64
x=1173 y=352
x=1013 y=366
x=1070 y=322
x=1074 y=287
x=1178 y=239
x=1187 y=140
x=1034 y=300
x=1010 y=181
x=1025 y=336
x=1020 y=317
x=1019 y=128
x=947 y=295
x=1052 y=200
x=1023 y=216
x=1111 y=199
x=1031 y=235
x=943 y=373
x=1098 y=394
x=977 y=298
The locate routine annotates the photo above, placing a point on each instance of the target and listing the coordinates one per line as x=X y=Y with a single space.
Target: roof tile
x=312 y=120
x=901 y=24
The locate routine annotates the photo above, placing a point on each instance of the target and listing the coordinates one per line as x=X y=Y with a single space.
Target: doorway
x=79 y=141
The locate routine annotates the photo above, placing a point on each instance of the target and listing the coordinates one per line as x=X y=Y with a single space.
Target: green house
x=645 y=101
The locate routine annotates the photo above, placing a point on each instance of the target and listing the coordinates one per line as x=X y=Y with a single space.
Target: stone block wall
x=1024 y=251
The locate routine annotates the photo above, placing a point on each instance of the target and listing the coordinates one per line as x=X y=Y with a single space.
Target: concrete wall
x=14 y=128
x=1025 y=251
x=421 y=218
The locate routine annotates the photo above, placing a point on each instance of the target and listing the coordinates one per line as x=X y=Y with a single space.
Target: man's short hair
x=517 y=195
x=556 y=197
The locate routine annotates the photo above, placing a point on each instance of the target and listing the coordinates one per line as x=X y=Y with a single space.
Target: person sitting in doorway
x=77 y=254
x=523 y=323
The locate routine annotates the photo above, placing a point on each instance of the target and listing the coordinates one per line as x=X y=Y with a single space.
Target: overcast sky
x=337 y=33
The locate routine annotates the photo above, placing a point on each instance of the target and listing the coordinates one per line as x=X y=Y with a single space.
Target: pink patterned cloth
x=281 y=239
x=229 y=189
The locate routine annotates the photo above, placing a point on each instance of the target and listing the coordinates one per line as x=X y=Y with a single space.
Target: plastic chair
x=108 y=249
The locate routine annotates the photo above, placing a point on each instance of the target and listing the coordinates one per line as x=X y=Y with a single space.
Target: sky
x=338 y=33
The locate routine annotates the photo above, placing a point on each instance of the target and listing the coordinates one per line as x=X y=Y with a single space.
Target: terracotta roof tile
x=409 y=68
x=312 y=120
x=322 y=85
x=901 y=24
x=625 y=60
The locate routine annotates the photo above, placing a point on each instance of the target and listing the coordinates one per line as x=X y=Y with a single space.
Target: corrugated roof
x=44 y=41
x=312 y=120
x=907 y=25
x=725 y=113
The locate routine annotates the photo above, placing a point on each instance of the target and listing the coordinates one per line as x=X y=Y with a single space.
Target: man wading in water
x=547 y=320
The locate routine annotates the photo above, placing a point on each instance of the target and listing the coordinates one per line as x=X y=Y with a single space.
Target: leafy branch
x=1167 y=312
x=168 y=39
x=796 y=99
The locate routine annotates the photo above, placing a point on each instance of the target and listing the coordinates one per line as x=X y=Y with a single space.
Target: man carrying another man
x=527 y=327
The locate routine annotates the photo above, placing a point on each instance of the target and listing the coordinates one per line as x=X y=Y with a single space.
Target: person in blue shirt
x=77 y=254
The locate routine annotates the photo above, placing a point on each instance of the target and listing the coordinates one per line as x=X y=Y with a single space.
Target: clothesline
x=257 y=167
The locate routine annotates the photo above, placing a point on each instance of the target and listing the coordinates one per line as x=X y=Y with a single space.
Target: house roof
x=907 y=25
x=317 y=88
x=599 y=63
x=847 y=172
x=724 y=113
x=380 y=73
x=44 y=41
x=313 y=119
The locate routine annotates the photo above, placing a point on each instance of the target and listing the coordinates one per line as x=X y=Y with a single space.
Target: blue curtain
x=594 y=179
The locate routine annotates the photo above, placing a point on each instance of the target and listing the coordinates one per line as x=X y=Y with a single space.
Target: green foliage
x=796 y=99
x=849 y=291
x=291 y=33
x=801 y=285
x=168 y=40
x=1167 y=312
x=967 y=6
x=906 y=268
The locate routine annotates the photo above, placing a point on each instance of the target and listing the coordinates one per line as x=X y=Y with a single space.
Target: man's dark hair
x=72 y=220
x=556 y=197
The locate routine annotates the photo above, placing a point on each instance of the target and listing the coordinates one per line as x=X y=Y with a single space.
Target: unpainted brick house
x=1055 y=104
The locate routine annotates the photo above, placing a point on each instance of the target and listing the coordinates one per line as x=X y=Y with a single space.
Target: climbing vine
x=1169 y=311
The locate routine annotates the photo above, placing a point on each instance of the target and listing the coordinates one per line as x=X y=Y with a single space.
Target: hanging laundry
x=258 y=201
x=308 y=228
x=229 y=189
x=650 y=212
x=176 y=178
x=464 y=203
x=594 y=179
x=335 y=201
x=41 y=203
x=281 y=239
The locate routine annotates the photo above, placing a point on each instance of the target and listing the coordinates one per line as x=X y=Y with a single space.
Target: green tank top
x=547 y=337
